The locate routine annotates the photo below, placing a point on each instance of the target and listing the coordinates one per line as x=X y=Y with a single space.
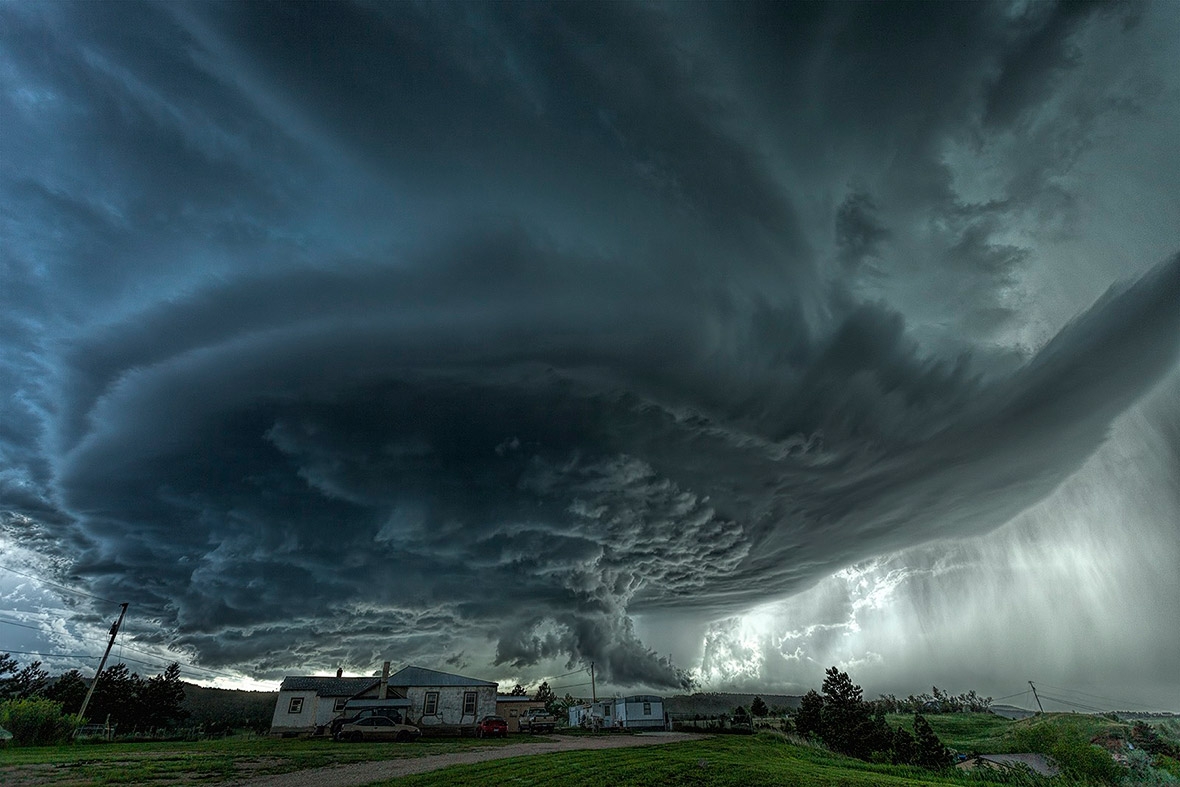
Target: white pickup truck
x=537 y=720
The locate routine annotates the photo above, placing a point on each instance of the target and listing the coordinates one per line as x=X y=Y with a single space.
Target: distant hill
x=714 y=703
x=225 y=709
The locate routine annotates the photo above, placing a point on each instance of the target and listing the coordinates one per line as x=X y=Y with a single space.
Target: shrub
x=36 y=722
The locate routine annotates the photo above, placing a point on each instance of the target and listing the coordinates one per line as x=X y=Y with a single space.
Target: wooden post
x=593 y=690
x=101 y=664
x=1036 y=697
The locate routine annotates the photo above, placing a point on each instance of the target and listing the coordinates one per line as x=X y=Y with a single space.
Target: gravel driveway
x=369 y=772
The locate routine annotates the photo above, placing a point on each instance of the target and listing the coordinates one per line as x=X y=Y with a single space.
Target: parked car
x=491 y=727
x=537 y=720
x=377 y=728
x=388 y=712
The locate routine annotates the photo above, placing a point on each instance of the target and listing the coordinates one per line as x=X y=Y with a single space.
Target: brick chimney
x=383 y=689
x=340 y=672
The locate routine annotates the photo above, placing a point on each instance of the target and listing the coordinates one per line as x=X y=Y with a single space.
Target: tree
x=69 y=690
x=904 y=750
x=545 y=694
x=36 y=721
x=518 y=691
x=758 y=708
x=809 y=717
x=741 y=715
x=116 y=695
x=28 y=682
x=846 y=724
x=160 y=699
x=930 y=751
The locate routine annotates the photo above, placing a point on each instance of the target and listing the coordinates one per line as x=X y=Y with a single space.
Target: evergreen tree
x=758 y=708
x=904 y=749
x=160 y=699
x=741 y=715
x=930 y=751
x=845 y=717
x=809 y=717
x=518 y=691
x=116 y=695
x=25 y=683
x=69 y=690
x=545 y=694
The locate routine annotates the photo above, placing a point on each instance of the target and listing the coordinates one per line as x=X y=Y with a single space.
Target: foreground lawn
x=724 y=761
x=209 y=761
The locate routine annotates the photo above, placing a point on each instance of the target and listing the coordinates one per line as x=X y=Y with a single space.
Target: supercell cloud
x=470 y=334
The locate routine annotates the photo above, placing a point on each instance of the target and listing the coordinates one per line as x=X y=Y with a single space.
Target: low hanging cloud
x=471 y=340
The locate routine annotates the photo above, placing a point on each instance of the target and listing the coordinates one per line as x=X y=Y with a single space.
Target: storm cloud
x=466 y=333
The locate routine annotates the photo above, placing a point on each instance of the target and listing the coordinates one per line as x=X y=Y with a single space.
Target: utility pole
x=593 y=690
x=1037 y=698
x=101 y=664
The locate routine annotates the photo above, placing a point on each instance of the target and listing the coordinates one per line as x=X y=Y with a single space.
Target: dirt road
x=369 y=772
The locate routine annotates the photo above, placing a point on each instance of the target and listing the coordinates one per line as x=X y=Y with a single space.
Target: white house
x=442 y=699
x=428 y=698
x=311 y=702
x=637 y=712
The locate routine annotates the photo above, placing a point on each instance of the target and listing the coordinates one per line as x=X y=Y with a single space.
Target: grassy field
x=209 y=761
x=722 y=761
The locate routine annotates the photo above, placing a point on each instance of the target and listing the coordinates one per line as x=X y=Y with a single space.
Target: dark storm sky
x=469 y=335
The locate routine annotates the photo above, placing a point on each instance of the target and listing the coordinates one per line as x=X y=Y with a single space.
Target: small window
x=339 y=704
x=512 y=712
x=296 y=705
x=647 y=709
x=430 y=704
x=469 y=699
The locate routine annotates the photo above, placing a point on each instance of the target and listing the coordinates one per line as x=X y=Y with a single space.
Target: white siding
x=306 y=719
x=449 y=712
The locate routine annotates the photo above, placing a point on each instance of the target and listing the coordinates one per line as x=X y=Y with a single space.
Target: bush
x=36 y=722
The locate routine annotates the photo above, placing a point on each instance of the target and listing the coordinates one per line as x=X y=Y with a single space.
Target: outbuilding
x=512 y=707
x=636 y=712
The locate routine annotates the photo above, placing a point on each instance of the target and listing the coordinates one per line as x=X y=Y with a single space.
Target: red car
x=492 y=726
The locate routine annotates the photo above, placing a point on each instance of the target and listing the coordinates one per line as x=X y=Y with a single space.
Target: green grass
x=964 y=732
x=208 y=761
x=722 y=761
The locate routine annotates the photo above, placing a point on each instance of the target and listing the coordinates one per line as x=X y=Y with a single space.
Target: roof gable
x=327 y=686
x=420 y=676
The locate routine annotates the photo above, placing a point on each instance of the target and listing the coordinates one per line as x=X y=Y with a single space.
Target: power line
x=22 y=625
x=570 y=685
x=122 y=659
x=1129 y=706
x=1010 y=696
x=1077 y=705
x=58 y=585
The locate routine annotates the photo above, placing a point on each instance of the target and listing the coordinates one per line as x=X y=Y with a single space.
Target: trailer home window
x=430 y=704
x=647 y=709
x=469 y=703
x=296 y=705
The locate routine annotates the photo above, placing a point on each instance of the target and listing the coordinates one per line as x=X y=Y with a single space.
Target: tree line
x=121 y=698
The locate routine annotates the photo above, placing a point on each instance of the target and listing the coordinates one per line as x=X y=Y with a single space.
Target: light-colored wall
x=513 y=710
x=450 y=705
x=631 y=713
x=305 y=719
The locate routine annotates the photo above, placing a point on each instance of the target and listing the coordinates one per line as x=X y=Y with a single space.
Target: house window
x=296 y=705
x=469 y=698
x=430 y=704
x=339 y=704
x=513 y=712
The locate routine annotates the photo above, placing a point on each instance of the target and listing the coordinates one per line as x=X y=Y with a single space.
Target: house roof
x=514 y=698
x=420 y=676
x=327 y=686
